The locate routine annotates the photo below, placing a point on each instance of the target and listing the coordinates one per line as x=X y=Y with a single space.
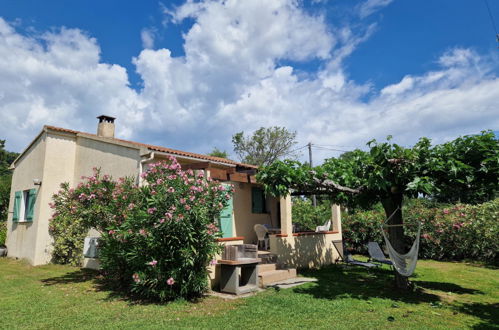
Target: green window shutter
x=31 y=204
x=17 y=205
x=257 y=200
x=226 y=219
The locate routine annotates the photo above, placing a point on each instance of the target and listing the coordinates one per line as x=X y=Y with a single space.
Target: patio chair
x=376 y=254
x=348 y=258
x=324 y=227
x=262 y=236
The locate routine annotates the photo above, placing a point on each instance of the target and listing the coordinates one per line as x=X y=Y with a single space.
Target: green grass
x=448 y=295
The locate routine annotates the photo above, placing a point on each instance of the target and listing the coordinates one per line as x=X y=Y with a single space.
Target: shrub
x=306 y=216
x=448 y=232
x=3 y=232
x=156 y=239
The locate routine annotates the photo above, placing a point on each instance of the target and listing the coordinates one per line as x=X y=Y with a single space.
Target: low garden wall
x=305 y=250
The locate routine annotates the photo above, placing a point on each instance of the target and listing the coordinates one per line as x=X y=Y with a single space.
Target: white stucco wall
x=115 y=160
x=245 y=219
x=22 y=236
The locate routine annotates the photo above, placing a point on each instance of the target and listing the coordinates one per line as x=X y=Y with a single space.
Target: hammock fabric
x=404 y=264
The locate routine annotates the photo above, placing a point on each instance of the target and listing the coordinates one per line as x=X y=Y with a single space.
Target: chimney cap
x=104 y=118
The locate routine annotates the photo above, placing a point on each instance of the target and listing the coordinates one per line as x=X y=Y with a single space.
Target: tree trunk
x=396 y=234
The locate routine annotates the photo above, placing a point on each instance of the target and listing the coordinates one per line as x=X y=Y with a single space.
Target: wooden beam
x=239 y=177
x=196 y=166
x=218 y=174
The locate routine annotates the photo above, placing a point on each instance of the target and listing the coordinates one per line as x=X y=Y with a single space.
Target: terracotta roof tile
x=162 y=149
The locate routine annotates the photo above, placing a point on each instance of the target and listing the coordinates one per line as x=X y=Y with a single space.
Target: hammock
x=404 y=264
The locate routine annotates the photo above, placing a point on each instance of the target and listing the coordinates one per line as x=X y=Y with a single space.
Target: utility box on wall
x=91 y=247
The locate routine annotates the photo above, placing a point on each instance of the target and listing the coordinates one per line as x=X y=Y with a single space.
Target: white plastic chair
x=261 y=234
x=325 y=227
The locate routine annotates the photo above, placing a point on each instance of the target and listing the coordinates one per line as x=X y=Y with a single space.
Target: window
x=257 y=200
x=24 y=205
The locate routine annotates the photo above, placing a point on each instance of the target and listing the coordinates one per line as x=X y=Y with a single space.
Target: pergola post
x=286 y=221
x=336 y=217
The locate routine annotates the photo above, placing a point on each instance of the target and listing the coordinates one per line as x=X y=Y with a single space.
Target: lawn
x=448 y=295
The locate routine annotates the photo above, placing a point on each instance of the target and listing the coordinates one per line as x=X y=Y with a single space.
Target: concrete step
x=266 y=267
x=267 y=257
x=272 y=276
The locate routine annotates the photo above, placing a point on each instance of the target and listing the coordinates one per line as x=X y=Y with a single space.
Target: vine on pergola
x=465 y=170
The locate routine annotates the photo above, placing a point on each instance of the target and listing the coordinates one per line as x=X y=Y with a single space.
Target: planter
x=3 y=251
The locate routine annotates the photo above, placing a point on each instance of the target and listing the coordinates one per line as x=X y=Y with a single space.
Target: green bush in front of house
x=156 y=239
x=448 y=232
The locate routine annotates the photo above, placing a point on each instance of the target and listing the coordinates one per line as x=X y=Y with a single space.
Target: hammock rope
x=404 y=264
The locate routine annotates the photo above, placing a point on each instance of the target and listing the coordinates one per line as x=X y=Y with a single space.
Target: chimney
x=106 y=126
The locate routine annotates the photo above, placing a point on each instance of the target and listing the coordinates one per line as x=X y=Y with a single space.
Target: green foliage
x=6 y=158
x=157 y=239
x=449 y=232
x=308 y=217
x=219 y=153
x=5 y=182
x=3 y=232
x=265 y=146
x=466 y=170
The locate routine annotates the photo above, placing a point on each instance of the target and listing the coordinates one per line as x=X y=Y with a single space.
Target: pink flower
x=136 y=277
x=153 y=192
x=170 y=281
x=143 y=232
x=456 y=226
x=168 y=215
x=213 y=262
x=187 y=207
x=182 y=201
x=131 y=206
x=171 y=190
x=159 y=181
x=151 y=210
x=192 y=198
x=111 y=232
x=152 y=263
x=200 y=174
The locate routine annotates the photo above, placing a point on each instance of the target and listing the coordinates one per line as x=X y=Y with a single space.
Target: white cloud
x=371 y=6
x=230 y=80
x=147 y=35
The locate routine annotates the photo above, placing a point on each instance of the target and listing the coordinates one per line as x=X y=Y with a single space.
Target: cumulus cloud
x=230 y=79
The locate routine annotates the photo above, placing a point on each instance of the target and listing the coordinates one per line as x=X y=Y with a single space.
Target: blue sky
x=190 y=74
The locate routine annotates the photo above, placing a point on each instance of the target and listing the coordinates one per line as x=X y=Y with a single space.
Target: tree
x=218 y=153
x=388 y=172
x=265 y=146
x=6 y=158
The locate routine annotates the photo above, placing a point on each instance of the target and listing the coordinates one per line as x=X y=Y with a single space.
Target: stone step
x=266 y=267
x=267 y=258
x=265 y=278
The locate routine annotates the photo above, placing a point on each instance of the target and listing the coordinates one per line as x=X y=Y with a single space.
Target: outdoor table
x=239 y=276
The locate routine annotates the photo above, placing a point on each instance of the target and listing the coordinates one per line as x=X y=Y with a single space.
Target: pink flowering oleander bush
x=448 y=232
x=157 y=239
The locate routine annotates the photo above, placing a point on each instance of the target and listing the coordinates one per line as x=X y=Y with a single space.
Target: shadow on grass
x=488 y=313
x=79 y=276
x=446 y=287
x=337 y=281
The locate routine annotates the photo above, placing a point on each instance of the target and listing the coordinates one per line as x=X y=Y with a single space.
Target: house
x=59 y=155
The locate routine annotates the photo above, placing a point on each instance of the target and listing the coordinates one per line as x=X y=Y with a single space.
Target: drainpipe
x=141 y=166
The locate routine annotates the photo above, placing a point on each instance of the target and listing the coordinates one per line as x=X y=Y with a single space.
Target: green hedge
x=449 y=232
x=3 y=232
